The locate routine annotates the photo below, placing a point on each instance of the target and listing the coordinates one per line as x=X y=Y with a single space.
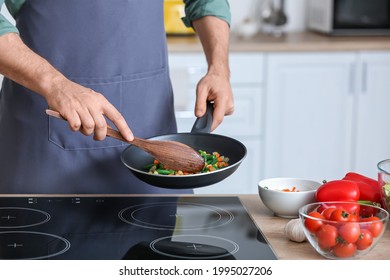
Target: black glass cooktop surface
x=112 y=228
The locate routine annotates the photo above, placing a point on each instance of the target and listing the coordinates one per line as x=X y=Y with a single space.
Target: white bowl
x=286 y=204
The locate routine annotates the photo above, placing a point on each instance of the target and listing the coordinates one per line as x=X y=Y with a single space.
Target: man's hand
x=83 y=108
x=217 y=88
x=215 y=85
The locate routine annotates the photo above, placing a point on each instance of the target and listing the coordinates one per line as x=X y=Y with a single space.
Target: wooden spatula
x=172 y=154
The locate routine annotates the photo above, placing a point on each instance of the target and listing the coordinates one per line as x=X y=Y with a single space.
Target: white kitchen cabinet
x=326 y=114
x=372 y=135
x=309 y=115
x=245 y=124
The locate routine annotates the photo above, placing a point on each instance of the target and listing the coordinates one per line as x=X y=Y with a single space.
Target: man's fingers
x=117 y=119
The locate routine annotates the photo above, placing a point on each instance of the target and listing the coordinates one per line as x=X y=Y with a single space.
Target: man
x=95 y=61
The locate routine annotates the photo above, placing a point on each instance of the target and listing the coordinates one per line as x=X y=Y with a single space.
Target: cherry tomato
x=313 y=225
x=353 y=218
x=338 y=190
x=365 y=239
x=351 y=207
x=350 y=232
x=339 y=215
x=327 y=212
x=373 y=224
x=344 y=250
x=327 y=236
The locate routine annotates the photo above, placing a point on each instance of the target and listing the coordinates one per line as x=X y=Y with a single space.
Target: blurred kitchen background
x=244 y=11
x=307 y=104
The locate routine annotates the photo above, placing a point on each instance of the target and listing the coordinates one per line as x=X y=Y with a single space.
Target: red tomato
x=351 y=207
x=353 y=218
x=327 y=236
x=365 y=240
x=338 y=190
x=342 y=250
x=313 y=225
x=373 y=224
x=350 y=232
x=339 y=215
x=327 y=212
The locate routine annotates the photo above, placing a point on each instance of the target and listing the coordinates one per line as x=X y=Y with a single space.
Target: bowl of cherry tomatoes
x=343 y=230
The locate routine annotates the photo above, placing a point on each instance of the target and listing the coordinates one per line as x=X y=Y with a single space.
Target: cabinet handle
x=352 y=76
x=364 y=77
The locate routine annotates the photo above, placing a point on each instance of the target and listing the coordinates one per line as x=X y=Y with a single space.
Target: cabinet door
x=373 y=119
x=244 y=180
x=309 y=103
x=244 y=125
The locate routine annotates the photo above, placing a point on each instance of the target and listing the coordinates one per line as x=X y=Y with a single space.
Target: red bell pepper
x=353 y=176
x=369 y=188
x=352 y=188
x=340 y=190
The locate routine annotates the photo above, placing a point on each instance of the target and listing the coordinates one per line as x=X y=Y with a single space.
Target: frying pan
x=199 y=138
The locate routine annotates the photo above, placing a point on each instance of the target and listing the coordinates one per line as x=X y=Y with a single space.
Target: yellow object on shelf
x=173 y=12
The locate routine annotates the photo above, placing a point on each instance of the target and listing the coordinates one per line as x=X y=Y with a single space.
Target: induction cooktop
x=137 y=228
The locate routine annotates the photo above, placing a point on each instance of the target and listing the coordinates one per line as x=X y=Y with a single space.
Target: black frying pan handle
x=203 y=124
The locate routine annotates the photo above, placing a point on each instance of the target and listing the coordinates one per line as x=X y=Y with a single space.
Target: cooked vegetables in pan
x=212 y=162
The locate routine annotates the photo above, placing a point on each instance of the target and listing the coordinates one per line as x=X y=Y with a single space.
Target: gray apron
x=117 y=48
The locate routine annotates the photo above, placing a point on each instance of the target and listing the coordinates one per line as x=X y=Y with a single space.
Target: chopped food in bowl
x=384 y=181
x=284 y=196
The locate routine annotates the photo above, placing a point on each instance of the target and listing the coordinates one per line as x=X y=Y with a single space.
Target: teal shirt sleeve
x=5 y=25
x=196 y=9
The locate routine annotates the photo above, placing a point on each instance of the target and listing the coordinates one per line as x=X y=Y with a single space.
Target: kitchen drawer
x=245 y=68
x=246 y=119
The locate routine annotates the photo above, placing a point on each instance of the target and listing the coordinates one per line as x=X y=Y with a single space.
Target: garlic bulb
x=294 y=231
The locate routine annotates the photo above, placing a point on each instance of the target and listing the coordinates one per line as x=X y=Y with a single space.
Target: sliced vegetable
x=213 y=162
x=293 y=189
x=386 y=194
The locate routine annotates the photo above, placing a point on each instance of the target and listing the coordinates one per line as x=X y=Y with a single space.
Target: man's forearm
x=22 y=65
x=214 y=36
x=215 y=85
x=83 y=108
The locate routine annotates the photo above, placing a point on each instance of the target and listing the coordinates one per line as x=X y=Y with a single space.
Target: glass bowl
x=343 y=230
x=384 y=181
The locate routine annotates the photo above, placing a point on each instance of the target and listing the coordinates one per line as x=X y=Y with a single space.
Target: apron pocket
x=59 y=131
